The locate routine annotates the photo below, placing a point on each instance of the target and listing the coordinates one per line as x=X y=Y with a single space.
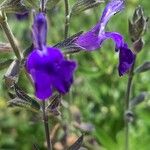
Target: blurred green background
x=98 y=92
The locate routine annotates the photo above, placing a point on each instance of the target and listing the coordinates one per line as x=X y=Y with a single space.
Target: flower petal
x=50 y=70
x=126 y=59
x=113 y=7
x=39 y=30
x=32 y=60
x=126 y=56
x=43 y=84
x=64 y=76
x=117 y=38
x=45 y=60
x=89 y=40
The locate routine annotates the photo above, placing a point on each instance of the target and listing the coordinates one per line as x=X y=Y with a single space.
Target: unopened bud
x=138 y=45
x=129 y=116
x=137 y=13
x=138 y=24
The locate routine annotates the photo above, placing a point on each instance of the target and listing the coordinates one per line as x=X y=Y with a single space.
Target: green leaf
x=143 y=68
x=82 y=5
x=15 y=6
x=77 y=144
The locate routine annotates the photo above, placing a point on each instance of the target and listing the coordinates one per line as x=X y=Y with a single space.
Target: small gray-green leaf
x=12 y=73
x=138 y=99
x=54 y=102
x=17 y=102
x=143 y=68
x=52 y=108
x=68 y=44
x=15 y=6
x=13 y=69
x=5 y=63
x=77 y=144
x=82 y=5
x=24 y=97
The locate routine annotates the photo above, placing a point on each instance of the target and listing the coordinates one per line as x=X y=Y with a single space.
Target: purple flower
x=94 y=38
x=47 y=65
x=22 y=16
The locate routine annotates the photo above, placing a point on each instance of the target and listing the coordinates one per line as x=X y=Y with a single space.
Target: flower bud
x=138 y=45
x=129 y=116
x=138 y=24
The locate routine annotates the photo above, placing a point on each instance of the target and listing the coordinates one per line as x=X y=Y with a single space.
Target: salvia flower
x=23 y=16
x=94 y=38
x=47 y=65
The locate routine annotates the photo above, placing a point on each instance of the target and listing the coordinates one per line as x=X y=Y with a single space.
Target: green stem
x=128 y=92
x=66 y=31
x=67 y=18
x=45 y=119
x=10 y=36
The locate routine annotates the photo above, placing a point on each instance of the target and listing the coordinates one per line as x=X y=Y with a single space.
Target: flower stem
x=66 y=31
x=128 y=92
x=43 y=5
x=45 y=119
x=10 y=36
x=67 y=18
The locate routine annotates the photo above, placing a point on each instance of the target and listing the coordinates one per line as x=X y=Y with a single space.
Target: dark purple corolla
x=22 y=16
x=94 y=38
x=47 y=65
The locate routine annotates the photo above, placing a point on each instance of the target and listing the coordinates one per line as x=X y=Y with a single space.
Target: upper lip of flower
x=39 y=31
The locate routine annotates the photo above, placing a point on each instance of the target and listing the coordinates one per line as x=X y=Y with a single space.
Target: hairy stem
x=42 y=5
x=67 y=18
x=10 y=36
x=66 y=31
x=128 y=92
x=45 y=119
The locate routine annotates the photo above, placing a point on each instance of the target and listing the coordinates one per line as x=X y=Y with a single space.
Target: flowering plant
x=50 y=69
